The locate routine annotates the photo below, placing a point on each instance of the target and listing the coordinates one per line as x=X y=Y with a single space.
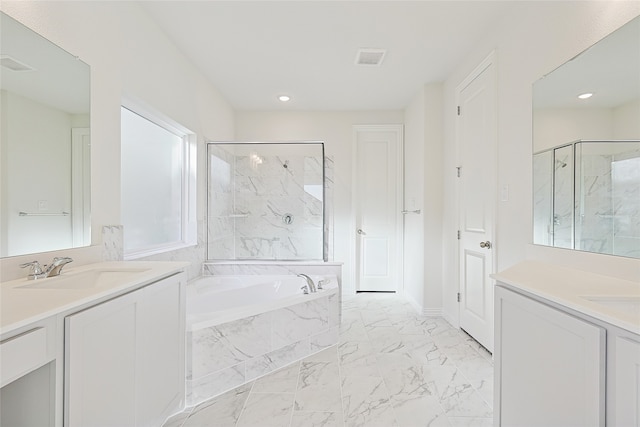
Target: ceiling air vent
x=370 y=57
x=13 y=64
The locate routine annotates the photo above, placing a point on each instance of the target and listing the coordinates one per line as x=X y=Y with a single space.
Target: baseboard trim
x=452 y=321
x=432 y=312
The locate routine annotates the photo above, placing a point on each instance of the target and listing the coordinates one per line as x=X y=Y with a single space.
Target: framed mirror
x=586 y=149
x=44 y=144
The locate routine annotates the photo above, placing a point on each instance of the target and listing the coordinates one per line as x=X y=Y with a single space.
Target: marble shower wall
x=220 y=219
x=608 y=199
x=587 y=197
x=267 y=206
x=563 y=224
x=542 y=198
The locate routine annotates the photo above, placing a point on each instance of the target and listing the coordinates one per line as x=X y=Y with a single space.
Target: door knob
x=361 y=232
x=486 y=244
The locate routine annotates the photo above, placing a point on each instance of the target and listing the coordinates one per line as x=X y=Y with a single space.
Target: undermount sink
x=629 y=305
x=90 y=279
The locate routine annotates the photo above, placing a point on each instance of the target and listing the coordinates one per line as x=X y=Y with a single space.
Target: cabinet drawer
x=21 y=354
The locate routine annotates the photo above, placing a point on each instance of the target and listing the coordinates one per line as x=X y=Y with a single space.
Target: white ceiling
x=253 y=51
x=610 y=70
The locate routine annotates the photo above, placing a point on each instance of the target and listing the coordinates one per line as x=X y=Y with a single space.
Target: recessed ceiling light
x=585 y=95
x=284 y=98
x=13 y=64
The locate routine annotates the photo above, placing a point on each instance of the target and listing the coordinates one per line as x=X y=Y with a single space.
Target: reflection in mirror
x=587 y=197
x=563 y=197
x=266 y=201
x=586 y=190
x=607 y=188
x=44 y=144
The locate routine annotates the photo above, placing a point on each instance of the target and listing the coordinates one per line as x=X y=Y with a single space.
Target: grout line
x=295 y=393
x=244 y=405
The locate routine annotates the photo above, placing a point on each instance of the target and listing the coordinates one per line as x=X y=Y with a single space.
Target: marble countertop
x=23 y=301
x=611 y=300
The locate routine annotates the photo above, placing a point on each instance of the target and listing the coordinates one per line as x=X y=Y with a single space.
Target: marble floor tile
x=419 y=411
x=470 y=422
x=392 y=367
x=221 y=411
x=366 y=402
x=267 y=410
x=317 y=419
x=284 y=380
x=318 y=387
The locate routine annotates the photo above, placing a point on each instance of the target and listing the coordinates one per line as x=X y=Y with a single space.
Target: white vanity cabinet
x=550 y=366
x=28 y=375
x=625 y=395
x=124 y=358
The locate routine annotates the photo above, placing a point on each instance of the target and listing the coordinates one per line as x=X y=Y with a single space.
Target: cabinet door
x=100 y=365
x=627 y=383
x=550 y=365
x=160 y=350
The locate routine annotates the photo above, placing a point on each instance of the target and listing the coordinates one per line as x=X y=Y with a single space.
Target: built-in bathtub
x=242 y=327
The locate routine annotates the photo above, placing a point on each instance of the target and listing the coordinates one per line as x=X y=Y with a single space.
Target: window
x=158 y=185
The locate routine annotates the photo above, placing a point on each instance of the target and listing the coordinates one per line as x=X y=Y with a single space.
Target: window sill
x=156 y=251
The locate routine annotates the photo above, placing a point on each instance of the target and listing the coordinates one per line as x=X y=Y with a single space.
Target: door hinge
x=458 y=171
x=458 y=110
x=458 y=234
x=458 y=296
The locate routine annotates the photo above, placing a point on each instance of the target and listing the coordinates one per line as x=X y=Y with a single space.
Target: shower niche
x=587 y=197
x=266 y=201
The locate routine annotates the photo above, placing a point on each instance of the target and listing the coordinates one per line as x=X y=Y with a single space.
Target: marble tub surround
x=229 y=354
x=391 y=367
x=272 y=268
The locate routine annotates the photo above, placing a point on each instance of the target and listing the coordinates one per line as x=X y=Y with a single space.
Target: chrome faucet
x=310 y=284
x=50 y=270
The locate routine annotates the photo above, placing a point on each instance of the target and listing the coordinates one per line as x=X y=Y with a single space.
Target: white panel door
x=477 y=186
x=378 y=203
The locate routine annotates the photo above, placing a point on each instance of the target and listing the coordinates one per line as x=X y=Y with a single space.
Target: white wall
x=414 y=148
x=423 y=190
x=558 y=126
x=335 y=129
x=626 y=122
x=529 y=44
x=129 y=57
x=553 y=127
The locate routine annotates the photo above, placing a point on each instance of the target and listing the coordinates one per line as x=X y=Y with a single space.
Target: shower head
x=561 y=163
x=286 y=164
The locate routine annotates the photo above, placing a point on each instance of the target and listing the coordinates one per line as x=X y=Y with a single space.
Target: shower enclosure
x=266 y=201
x=587 y=197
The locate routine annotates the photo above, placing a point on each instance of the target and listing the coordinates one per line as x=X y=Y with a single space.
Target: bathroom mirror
x=586 y=145
x=266 y=201
x=44 y=144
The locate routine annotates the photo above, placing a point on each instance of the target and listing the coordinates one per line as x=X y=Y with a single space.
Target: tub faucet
x=312 y=286
x=50 y=270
